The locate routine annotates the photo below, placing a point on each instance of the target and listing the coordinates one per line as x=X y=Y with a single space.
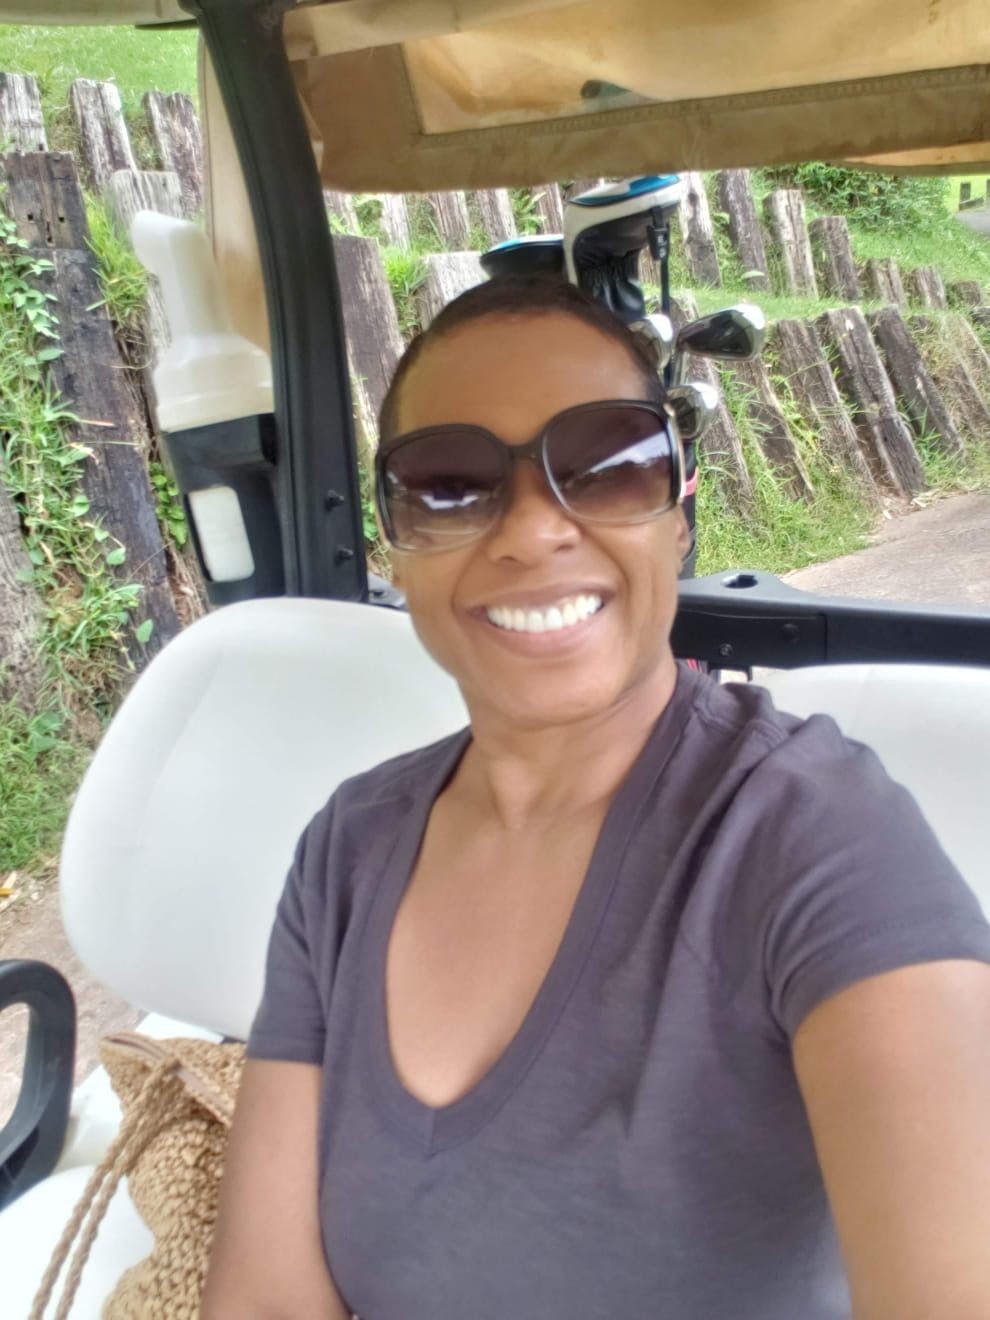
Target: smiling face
x=603 y=596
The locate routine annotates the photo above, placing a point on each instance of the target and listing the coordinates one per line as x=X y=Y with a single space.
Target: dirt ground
x=937 y=555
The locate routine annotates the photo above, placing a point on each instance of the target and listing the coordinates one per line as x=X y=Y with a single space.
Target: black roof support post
x=319 y=500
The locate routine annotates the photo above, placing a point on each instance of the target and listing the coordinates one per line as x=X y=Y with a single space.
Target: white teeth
x=564 y=614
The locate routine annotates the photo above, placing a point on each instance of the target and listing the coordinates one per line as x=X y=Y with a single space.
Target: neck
x=539 y=776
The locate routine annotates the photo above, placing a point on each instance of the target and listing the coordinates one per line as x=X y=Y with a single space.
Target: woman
x=636 y=999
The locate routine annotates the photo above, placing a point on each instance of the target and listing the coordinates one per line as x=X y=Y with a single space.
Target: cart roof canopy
x=411 y=95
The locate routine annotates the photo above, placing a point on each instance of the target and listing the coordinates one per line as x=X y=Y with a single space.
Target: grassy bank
x=137 y=59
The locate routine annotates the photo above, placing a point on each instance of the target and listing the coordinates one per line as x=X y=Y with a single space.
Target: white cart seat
x=930 y=725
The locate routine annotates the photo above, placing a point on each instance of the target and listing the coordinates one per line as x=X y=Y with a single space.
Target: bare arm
x=895 y=1074
x=267 y=1261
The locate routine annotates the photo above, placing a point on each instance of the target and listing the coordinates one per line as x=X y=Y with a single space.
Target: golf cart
x=307 y=671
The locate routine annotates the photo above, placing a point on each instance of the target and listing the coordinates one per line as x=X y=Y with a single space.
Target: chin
x=550 y=708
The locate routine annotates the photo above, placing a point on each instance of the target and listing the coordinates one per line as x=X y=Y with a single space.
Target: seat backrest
x=184 y=826
x=930 y=726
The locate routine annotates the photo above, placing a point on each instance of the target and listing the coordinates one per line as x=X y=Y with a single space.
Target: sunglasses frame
x=533 y=451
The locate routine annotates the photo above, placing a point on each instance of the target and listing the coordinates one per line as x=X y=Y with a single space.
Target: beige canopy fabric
x=427 y=94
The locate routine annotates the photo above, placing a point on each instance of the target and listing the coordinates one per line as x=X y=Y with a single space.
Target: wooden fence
x=867 y=387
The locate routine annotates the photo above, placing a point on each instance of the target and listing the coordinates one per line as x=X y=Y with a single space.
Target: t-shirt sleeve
x=843 y=879
x=290 y=1023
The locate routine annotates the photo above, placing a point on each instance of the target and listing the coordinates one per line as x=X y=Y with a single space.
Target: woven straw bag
x=177 y=1098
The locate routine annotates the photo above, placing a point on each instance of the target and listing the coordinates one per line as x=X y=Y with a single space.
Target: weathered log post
x=374 y=341
x=964 y=293
x=968 y=404
x=735 y=198
x=104 y=142
x=785 y=214
x=925 y=287
x=128 y=192
x=395 y=220
x=178 y=141
x=550 y=205
x=447 y=275
x=340 y=206
x=832 y=249
x=761 y=406
x=973 y=352
x=885 y=437
x=20 y=608
x=882 y=281
x=22 y=125
x=698 y=232
x=920 y=397
x=451 y=218
x=721 y=461
x=46 y=201
x=495 y=212
x=796 y=352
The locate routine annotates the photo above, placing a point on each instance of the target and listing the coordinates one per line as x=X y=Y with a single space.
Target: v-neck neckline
x=438 y=1128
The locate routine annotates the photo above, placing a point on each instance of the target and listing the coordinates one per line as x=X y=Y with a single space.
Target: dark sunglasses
x=611 y=462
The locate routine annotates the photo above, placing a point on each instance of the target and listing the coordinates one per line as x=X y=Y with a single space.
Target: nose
x=534 y=523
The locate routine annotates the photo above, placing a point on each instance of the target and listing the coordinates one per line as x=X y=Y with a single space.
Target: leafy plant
x=405 y=270
x=168 y=504
x=526 y=211
x=868 y=198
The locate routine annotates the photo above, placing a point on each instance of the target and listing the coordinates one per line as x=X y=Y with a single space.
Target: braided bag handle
x=156 y=1097
x=176 y=1072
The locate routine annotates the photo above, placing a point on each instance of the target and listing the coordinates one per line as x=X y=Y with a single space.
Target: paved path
x=938 y=555
x=934 y=556
x=978 y=219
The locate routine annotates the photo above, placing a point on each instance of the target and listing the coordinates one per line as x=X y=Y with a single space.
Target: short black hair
x=516 y=295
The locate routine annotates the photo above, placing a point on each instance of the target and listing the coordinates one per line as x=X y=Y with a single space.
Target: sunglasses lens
x=441 y=489
x=613 y=464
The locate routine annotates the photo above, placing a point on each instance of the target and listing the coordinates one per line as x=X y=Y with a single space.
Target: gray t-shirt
x=641 y=1148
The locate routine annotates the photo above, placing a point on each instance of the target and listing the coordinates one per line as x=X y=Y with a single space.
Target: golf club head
x=656 y=334
x=693 y=405
x=733 y=334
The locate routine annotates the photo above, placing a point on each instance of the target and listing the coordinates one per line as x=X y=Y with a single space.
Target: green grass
x=138 y=60
x=405 y=271
x=123 y=279
x=778 y=533
x=958 y=252
x=41 y=764
x=947 y=474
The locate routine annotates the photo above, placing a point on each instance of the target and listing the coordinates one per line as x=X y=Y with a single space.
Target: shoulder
x=737 y=754
x=787 y=760
x=818 y=869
